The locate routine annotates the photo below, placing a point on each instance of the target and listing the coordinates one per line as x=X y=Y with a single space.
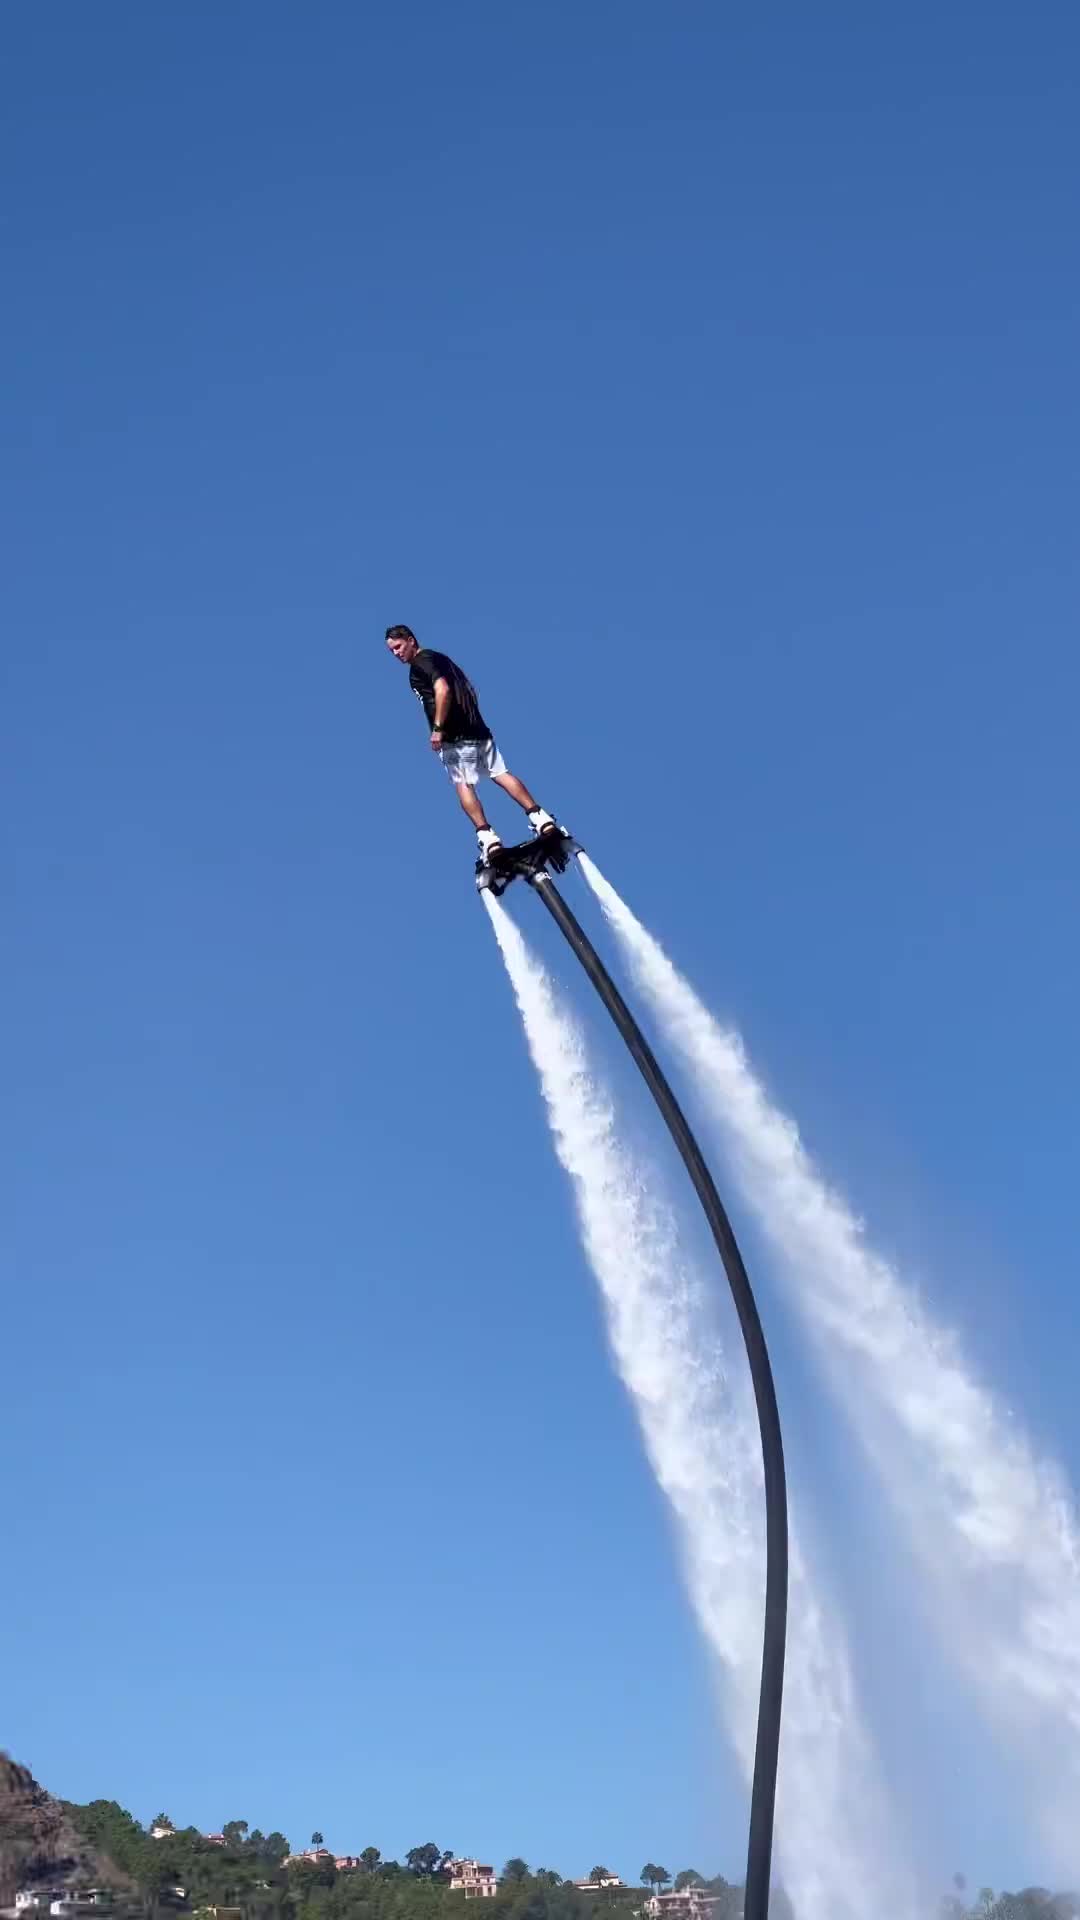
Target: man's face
x=404 y=649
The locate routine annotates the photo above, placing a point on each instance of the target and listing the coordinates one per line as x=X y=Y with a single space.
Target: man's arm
x=443 y=699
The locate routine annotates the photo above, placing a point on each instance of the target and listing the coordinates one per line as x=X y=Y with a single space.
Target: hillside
x=161 y=1872
x=39 y=1842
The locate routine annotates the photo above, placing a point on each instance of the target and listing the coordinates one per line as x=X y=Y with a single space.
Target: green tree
x=316 y=1840
x=235 y=1834
x=161 y=1820
x=689 y=1877
x=155 y=1873
x=424 y=1861
x=109 y=1828
x=370 y=1858
x=548 y=1877
x=729 y=1899
x=599 y=1874
x=516 y=1870
x=652 y=1875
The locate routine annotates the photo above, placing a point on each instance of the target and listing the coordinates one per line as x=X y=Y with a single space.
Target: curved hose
x=770 y=1700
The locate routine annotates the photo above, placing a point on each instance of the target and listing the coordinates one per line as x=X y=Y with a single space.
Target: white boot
x=488 y=842
x=542 y=822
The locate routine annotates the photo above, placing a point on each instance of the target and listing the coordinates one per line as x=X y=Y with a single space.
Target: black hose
x=770 y=1702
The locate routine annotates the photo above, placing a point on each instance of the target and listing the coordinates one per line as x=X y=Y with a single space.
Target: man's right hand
x=436 y=739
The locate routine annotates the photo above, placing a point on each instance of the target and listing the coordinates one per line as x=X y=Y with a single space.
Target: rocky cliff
x=38 y=1842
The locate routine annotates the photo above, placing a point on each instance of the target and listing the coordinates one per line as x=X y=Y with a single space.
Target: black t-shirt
x=464 y=720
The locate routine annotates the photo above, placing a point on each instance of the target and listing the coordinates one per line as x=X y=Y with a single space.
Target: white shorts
x=471 y=761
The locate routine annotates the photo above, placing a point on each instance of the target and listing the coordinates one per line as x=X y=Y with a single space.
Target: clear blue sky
x=705 y=380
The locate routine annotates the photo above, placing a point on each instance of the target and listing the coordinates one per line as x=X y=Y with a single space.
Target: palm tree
x=316 y=1839
x=600 y=1874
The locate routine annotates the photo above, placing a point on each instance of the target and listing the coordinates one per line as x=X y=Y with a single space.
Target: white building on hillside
x=693 y=1903
x=473 y=1880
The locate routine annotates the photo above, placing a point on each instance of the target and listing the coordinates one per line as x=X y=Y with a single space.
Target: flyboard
x=549 y=852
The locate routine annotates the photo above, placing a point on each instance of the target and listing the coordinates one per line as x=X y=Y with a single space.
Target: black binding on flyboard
x=546 y=852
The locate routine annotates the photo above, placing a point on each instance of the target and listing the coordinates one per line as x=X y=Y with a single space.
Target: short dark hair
x=400 y=633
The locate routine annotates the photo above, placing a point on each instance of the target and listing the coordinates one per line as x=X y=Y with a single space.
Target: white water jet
x=833 y=1843
x=992 y=1524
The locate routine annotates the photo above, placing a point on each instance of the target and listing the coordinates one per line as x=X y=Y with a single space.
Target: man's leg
x=486 y=838
x=539 y=820
x=463 y=766
x=470 y=800
x=517 y=790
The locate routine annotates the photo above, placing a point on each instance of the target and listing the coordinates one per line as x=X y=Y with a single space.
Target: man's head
x=402 y=643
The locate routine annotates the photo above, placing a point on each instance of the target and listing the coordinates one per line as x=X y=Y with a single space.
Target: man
x=461 y=736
